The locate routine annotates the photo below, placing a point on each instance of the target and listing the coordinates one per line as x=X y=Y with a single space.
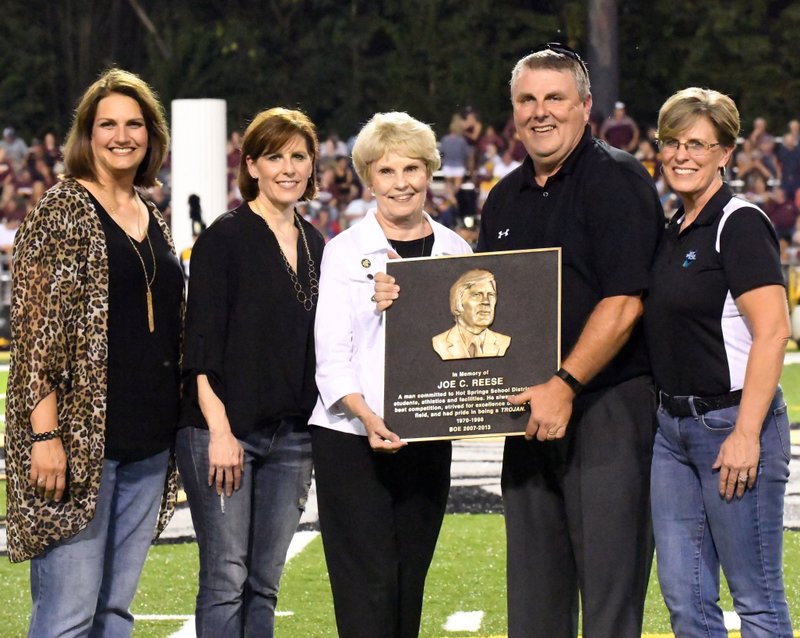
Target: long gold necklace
x=306 y=299
x=148 y=281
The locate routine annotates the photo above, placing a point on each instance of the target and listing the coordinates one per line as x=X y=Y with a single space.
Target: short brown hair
x=685 y=107
x=269 y=132
x=78 y=155
x=396 y=132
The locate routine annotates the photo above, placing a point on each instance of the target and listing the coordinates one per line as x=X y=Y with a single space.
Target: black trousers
x=380 y=516
x=578 y=520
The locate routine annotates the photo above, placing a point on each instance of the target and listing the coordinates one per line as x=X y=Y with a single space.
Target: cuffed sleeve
x=46 y=267
x=207 y=312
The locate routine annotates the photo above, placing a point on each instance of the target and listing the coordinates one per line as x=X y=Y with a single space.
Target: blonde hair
x=685 y=107
x=78 y=154
x=394 y=132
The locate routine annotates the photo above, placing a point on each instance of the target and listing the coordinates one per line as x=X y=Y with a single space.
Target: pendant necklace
x=148 y=281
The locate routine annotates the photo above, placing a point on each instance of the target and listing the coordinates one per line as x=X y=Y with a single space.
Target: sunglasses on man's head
x=562 y=49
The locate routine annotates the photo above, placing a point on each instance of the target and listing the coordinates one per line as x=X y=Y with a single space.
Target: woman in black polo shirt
x=717 y=325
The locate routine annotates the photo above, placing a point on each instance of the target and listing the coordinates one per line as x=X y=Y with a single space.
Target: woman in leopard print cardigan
x=93 y=389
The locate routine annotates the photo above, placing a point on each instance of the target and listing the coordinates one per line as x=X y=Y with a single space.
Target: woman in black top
x=93 y=393
x=716 y=325
x=243 y=448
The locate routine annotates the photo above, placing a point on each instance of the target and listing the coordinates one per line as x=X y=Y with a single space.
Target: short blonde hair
x=269 y=132
x=685 y=107
x=78 y=155
x=394 y=132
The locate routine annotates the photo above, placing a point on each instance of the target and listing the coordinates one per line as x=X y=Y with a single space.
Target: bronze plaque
x=466 y=332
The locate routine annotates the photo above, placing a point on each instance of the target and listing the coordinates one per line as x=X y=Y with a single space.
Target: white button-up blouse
x=349 y=330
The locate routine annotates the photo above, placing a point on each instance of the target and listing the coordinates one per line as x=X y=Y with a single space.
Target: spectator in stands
x=344 y=179
x=396 y=502
x=789 y=158
x=444 y=209
x=781 y=212
x=619 y=130
x=503 y=164
x=793 y=128
x=324 y=222
x=456 y=153
x=356 y=209
x=332 y=147
x=473 y=127
x=769 y=160
x=757 y=191
x=52 y=152
x=243 y=447
x=758 y=132
x=490 y=138
x=159 y=195
x=8 y=231
x=647 y=154
x=749 y=166
x=328 y=189
x=6 y=170
x=93 y=392
x=233 y=152
x=15 y=147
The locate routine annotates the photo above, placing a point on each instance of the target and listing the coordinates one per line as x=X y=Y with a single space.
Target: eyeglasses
x=562 y=49
x=695 y=148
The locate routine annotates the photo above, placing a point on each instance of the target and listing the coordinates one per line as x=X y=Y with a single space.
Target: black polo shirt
x=602 y=209
x=698 y=340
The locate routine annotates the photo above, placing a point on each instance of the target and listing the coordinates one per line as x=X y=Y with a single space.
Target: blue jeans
x=84 y=586
x=697 y=530
x=243 y=538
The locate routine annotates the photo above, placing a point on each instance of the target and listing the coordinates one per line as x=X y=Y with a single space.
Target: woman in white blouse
x=381 y=502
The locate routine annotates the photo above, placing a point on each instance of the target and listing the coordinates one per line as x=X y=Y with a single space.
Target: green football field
x=467 y=575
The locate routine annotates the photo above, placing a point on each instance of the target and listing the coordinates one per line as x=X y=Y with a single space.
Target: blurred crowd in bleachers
x=765 y=169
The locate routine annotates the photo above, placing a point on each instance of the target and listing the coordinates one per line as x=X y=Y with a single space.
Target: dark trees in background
x=342 y=60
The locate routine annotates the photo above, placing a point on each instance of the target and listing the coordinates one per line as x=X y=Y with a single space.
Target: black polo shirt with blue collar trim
x=603 y=210
x=698 y=340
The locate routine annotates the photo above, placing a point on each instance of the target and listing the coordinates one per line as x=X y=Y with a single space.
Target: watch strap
x=571 y=381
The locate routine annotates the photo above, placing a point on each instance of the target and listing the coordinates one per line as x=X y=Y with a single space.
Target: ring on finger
x=742 y=478
x=372 y=299
x=40 y=481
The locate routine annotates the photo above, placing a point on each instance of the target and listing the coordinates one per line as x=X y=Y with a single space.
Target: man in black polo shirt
x=576 y=488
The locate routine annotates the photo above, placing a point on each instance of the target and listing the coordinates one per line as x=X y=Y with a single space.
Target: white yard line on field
x=464 y=621
x=299 y=542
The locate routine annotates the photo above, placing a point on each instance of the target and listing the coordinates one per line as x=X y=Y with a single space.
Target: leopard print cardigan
x=59 y=314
